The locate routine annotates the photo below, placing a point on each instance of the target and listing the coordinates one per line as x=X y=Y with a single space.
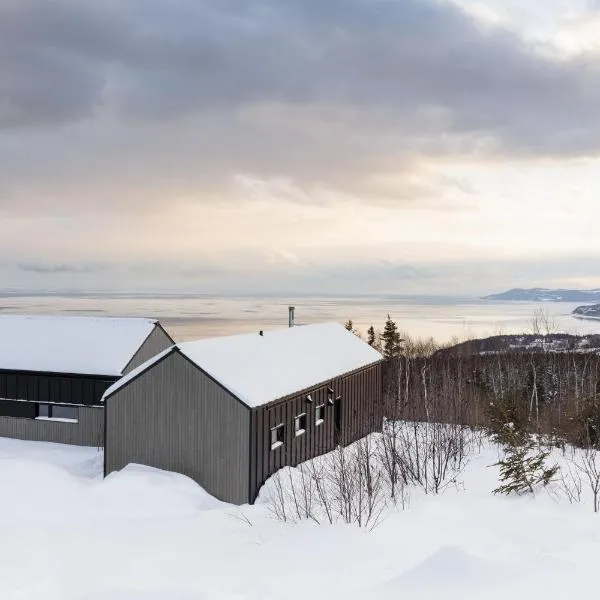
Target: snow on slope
x=86 y=345
x=142 y=534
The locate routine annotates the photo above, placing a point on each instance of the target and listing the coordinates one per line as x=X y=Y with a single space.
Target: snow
x=261 y=368
x=83 y=345
x=144 y=534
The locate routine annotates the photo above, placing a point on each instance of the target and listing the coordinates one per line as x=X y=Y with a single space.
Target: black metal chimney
x=291 y=316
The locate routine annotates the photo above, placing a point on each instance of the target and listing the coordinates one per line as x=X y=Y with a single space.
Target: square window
x=69 y=413
x=320 y=414
x=43 y=410
x=59 y=413
x=277 y=436
x=300 y=424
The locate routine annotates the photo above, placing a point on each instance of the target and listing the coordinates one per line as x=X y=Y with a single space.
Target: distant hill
x=589 y=311
x=547 y=295
x=554 y=342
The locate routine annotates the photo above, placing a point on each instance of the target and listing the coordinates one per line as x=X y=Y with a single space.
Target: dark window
x=277 y=435
x=320 y=414
x=300 y=424
x=16 y=408
x=56 y=412
x=65 y=412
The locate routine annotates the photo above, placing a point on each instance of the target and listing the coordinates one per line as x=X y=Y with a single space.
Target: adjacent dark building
x=231 y=411
x=55 y=370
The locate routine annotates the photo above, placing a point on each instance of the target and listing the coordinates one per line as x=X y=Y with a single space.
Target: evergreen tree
x=349 y=325
x=372 y=337
x=523 y=467
x=391 y=340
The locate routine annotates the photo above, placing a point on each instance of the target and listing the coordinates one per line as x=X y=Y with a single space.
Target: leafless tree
x=542 y=323
x=388 y=451
x=588 y=463
x=345 y=485
x=569 y=478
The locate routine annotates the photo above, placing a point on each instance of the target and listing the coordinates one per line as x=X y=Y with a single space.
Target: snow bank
x=73 y=487
x=143 y=534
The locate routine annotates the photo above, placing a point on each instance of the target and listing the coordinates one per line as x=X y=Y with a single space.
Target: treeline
x=542 y=392
x=546 y=392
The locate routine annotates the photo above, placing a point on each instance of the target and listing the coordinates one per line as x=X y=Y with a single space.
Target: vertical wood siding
x=53 y=387
x=362 y=413
x=88 y=432
x=155 y=343
x=174 y=417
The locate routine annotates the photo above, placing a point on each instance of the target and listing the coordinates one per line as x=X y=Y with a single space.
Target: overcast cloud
x=296 y=132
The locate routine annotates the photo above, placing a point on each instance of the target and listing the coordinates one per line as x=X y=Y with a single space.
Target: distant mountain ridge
x=547 y=295
x=589 y=311
x=499 y=344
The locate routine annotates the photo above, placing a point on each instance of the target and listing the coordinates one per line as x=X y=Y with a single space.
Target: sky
x=334 y=146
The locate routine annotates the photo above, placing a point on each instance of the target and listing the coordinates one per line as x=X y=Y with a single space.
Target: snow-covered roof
x=261 y=368
x=70 y=344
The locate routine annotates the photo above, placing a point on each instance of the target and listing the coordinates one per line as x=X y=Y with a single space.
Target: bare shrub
x=569 y=478
x=431 y=455
x=346 y=485
x=580 y=468
x=390 y=459
x=587 y=461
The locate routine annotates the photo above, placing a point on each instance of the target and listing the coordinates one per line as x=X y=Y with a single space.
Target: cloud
x=59 y=268
x=416 y=66
x=278 y=275
x=157 y=129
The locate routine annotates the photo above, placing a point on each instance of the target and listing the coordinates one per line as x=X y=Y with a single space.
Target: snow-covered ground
x=142 y=534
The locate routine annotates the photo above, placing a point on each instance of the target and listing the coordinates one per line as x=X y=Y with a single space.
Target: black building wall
x=22 y=391
x=356 y=403
x=50 y=388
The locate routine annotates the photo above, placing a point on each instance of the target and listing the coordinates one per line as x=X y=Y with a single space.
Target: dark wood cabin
x=55 y=370
x=229 y=412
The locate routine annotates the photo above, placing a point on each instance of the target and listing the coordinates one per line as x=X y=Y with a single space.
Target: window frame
x=279 y=437
x=298 y=421
x=319 y=409
x=49 y=408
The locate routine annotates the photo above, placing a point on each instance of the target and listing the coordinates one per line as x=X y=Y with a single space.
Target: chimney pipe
x=291 y=316
x=260 y=332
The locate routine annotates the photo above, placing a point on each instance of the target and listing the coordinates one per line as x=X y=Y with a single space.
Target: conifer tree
x=523 y=467
x=371 y=339
x=391 y=340
x=349 y=325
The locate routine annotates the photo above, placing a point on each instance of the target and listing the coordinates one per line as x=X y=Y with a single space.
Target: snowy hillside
x=546 y=295
x=142 y=534
x=588 y=311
